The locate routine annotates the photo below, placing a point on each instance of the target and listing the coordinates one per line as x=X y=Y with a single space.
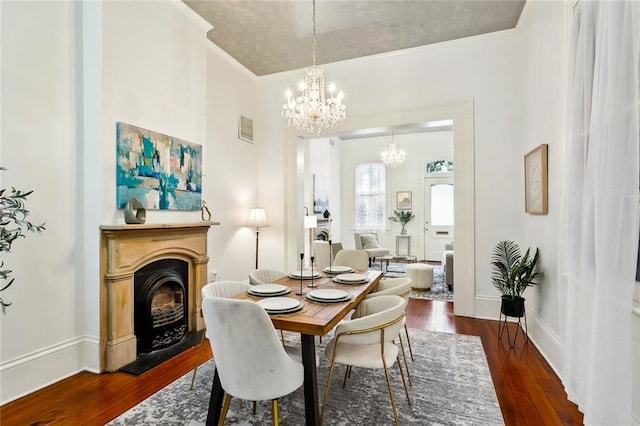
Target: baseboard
x=32 y=372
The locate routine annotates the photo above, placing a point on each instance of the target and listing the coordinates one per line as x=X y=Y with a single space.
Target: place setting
x=269 y=290
x=329 y=295
x=337 y=269
x=351 y=279
x=281 y=305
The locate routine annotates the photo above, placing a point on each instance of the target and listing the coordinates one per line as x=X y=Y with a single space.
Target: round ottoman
x=421 y=276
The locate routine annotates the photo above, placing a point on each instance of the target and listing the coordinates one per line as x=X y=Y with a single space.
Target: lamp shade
x=310 y=222
x=257 y=218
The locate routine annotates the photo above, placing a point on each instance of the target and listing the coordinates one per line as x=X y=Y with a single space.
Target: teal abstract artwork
x=161 y=171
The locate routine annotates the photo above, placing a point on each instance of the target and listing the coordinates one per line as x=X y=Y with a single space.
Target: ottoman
x=421 y=276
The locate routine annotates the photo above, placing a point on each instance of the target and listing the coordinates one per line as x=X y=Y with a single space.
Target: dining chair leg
x=326 y=391
x=404 y=357
x=393 y=403
x=195 y=368
x=406 y=391
x=225 y=408
x=406 y=331
x=346 y=376
x=254 y=408
x=274 y=410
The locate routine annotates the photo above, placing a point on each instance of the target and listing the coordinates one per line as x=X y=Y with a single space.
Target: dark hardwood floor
x=528 y=390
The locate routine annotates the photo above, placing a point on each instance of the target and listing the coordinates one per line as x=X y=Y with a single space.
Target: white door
x=438 y=216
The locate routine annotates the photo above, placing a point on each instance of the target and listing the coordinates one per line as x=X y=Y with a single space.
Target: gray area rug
x=451 y=386
x=438 y=291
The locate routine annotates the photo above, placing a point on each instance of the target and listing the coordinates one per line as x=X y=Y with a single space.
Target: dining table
x=316 y=318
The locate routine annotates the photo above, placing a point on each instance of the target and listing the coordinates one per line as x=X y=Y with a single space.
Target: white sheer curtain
x=600 y=210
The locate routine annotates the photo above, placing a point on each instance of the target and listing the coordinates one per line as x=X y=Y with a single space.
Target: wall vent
x=245 y=129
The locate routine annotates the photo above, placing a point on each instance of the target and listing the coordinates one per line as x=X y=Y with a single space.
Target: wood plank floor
x=528 y=390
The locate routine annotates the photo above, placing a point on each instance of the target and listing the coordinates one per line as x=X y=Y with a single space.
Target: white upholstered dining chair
x=217 y=289
x=356 y=259
x=265 y=276
x=251 y=362
x=367 y=341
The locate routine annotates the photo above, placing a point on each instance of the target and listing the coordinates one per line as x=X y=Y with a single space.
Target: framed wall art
x=162 y=172
x=403 y=200
x=535 y=181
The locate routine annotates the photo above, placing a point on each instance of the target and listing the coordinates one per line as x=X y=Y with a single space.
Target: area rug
x=451 y=385
x=438 y=291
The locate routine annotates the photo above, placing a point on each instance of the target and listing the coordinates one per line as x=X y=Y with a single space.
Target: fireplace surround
x=125 y=249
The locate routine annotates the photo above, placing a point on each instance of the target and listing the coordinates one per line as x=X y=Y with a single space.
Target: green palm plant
x=512 y=272
x=13 y=223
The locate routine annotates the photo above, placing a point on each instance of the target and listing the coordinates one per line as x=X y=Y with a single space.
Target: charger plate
x=267 y=290
x=280 y=305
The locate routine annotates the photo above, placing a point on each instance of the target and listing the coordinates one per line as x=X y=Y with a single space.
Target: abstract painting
x=161 y=171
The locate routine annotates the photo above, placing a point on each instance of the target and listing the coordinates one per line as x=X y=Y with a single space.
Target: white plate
x=268 y=288
x=352 y=277
x=337 y=269
x=328 y=294
x=277 y=304
x=305 y=274
x=344 y=299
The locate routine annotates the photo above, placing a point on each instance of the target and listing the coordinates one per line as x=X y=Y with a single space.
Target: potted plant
x=13 y=221
x=512 y=273
x=402 y=216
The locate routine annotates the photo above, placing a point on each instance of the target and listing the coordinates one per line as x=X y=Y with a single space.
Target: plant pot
x=512 y=306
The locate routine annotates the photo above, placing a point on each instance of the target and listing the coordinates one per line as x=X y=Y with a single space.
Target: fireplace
x=170 y=264
x=160 y=308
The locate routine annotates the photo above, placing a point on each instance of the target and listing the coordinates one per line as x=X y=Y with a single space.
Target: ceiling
x=272 y=36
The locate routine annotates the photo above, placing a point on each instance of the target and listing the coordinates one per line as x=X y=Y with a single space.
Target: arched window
x=370 y=196
x=440 y=166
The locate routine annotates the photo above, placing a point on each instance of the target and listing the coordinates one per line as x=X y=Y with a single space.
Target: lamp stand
x=257 y=237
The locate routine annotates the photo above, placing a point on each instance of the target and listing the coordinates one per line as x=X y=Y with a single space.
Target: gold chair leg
x=225 y=408
x=406 y=391
x=195 y=368
x=406 y=331
x=393 y=403
x=274 y=410
x=404 y=357
x=326 y=391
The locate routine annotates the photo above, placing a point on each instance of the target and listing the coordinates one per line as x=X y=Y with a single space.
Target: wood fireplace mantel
x=123 y=250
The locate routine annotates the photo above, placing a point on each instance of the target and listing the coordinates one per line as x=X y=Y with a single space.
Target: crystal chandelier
x=312 y=112
x=393 y=157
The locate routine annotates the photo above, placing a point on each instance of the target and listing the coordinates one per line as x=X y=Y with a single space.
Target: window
x=370 y=196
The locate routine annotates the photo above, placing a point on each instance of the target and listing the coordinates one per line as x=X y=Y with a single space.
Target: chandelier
x=393 y=157
x=313 y=112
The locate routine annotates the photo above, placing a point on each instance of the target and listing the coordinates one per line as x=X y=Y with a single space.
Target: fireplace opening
x=160 y=305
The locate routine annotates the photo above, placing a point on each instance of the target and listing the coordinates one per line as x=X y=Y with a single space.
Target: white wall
x=40 y=139
x=544 y=33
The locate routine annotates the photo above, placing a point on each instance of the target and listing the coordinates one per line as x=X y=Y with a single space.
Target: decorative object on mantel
x=205 y=214
x=326 y=214
x=393 y=157
x=137 y=216
x=161 y=171
x=257 y=219
x=512 y=273
x=13 y=220
x=311 y=112
x=403 y=217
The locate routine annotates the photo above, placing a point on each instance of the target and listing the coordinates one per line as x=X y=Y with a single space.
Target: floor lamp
x=257 y=219
x=310 y=222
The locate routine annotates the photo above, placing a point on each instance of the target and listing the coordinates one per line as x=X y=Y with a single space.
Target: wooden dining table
x=314 y=319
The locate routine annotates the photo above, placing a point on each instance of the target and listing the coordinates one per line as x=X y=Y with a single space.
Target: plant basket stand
x=515 y=309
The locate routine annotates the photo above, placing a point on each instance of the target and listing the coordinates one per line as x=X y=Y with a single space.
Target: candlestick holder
x=312 y=285
x=299 y=293
x=330 y=257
